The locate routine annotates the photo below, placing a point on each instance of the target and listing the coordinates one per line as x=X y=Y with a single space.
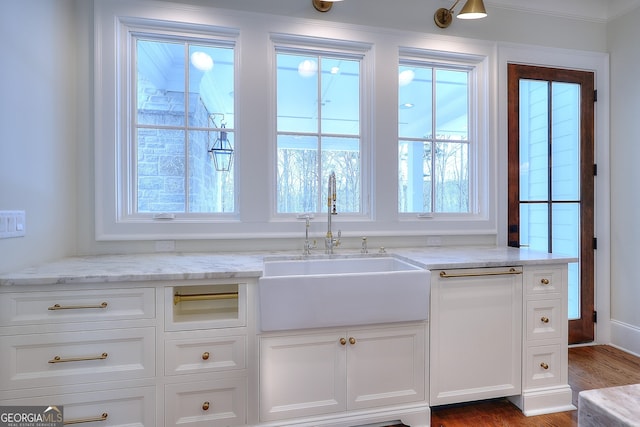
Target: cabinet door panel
x=386 y=367
x=302 y=375
x=476 y=335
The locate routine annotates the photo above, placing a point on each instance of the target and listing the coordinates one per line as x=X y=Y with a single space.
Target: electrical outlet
x=434 y=241
x=12 y=224
x=165 y=245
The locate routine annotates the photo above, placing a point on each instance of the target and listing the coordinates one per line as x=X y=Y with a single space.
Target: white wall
x=38 y=128
x=623 y=36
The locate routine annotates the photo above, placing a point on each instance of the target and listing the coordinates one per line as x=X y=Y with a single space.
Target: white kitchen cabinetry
x=476 y=334
x=545 y=352
x=337 y=372
x=89 y=350
x=205 y=349
x=500 y=332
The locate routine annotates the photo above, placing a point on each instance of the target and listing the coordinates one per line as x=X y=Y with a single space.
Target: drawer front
x=31 y=308
x=543 y=366
x=220 y=402
x=123 y=407
x=544 y=319
x=541 y=281
x=200 y=355
x=40 y=360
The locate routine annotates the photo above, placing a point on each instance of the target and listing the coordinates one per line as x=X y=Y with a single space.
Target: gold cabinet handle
x=177 y=298
x=205 y=355
x=544 y=319
x=77 y=307
x=512 y=270
x=58 y=359
x=352 y=340
x=205 y=406
x=343 y=341
x=544 y=281
x=544 y=365
x=102 y=417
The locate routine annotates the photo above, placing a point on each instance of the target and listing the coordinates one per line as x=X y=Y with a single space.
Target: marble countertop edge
x=192 y=266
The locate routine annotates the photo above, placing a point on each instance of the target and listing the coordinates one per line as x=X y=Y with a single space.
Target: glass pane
x=209 y=190
x=414 y=177
x=160 y=83
x=415 y=108
x=452 y=177
x=452 y=105
x=211 y=84
x=340 y=103
x=566 y=141
x=297 y=174
x=566 y=241
x=342 y=156
x=534 y=226
x=534 y=140
x=297 y=97
x=161 y=170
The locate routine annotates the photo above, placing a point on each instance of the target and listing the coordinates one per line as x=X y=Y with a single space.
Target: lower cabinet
x=331 y=371
x=218 y=402
x=500 y=332
x=476 y=334
x=121 y=407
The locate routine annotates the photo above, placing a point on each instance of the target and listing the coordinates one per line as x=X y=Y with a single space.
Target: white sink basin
x=327 y=292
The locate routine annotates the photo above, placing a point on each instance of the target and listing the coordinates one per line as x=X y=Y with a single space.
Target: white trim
x=625 y=337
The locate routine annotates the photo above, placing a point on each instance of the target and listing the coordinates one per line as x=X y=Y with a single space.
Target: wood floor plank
x=590 y=367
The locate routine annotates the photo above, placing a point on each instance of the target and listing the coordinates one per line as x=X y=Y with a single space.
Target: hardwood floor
x=589 y=368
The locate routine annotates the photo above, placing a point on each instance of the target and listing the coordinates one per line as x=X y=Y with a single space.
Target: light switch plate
x=12 y=224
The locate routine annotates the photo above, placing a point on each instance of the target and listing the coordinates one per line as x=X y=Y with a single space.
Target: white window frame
x=257 y=225
x=115 y=133
x=479 y=149
x=305 y=45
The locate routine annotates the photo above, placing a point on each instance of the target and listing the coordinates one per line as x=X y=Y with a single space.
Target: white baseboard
x=625 y=337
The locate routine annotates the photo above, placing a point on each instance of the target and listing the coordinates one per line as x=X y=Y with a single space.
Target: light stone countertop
x=185 y=266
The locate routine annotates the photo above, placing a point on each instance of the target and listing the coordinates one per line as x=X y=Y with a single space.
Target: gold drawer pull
x=204 y=297
x=102 y=417
x=544 y=281
x=544 y=319
x=544 y=365
x=352 y=340
x=446 y=275
x=343 y=341
x=77 y=307
x=205 y=406
x=59 y=359
x=205 y=355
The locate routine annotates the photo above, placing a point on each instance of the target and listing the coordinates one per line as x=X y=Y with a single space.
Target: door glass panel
x=534 y=226
x=566 y=241
x=534 y=140
x=566 y=141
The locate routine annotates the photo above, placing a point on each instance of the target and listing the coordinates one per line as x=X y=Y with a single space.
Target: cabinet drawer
x=30 y=308
x=40 y=360
x=199 y=355
x=540 y=281
x=544 y=319
x=543 y=366
x=123 y=407
x=220 y=402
